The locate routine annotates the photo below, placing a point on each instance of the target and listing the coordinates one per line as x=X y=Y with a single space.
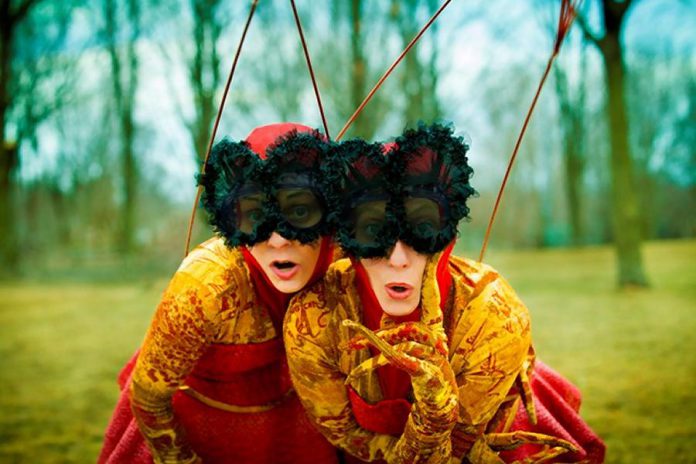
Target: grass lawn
x=633 y=354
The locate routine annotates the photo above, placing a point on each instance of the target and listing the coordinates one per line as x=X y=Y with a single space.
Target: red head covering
x=263 y=137
x=259 y=140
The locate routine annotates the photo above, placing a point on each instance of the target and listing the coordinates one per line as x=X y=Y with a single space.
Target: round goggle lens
x=300 y=207
x=369 y=220
x=424 y=216
x=250 y=212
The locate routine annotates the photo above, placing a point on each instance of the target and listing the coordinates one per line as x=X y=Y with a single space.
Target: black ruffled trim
x=231 y=165
x=354 y=168
x=450 y=172
x=429 y=156
x=302 y=153
x=234 y=164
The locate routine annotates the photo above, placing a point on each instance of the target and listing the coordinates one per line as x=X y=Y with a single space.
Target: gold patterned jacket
x=209 y=300
x=488 y=333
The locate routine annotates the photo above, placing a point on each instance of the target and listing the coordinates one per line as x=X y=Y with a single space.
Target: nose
x=398 y=258
x=277 y=241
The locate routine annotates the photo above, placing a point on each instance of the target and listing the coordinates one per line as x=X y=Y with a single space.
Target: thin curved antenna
x=217 y=123
x=389 y=71
x=566 y=17
x=311 y=70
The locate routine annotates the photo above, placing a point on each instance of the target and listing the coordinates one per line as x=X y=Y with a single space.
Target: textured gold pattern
x=209 y=300
x=487 y=329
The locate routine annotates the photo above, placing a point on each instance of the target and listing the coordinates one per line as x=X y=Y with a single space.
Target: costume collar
x=269 y=297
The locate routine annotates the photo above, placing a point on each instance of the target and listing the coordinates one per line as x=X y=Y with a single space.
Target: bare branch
x=174 y=97
x=585 y=28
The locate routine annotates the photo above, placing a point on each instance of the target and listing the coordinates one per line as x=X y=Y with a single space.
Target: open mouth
x=399 y=290
x=285 y=269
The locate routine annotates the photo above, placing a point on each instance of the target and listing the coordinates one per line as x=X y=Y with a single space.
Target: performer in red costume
x=404 y=353
x=210 y=382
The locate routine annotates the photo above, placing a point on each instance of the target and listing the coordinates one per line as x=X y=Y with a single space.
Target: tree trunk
x=9 y=248
x=573 y=170
x=412 y=75
x=204 y=72
x=205 y=79
x=9 y=159
x=124 y=74
x=626 y=214
x=419 y=76
x=358 y=88
x=433 y=106
x=571 y=115
x=130 y=174
x=130 y=171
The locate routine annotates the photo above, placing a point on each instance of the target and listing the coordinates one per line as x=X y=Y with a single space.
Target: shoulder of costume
x=488 y=296
x=340 y=274
x=471 y=272
x=326 y=291
x=216 y=267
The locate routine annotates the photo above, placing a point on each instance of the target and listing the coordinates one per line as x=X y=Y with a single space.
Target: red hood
x=263 y=137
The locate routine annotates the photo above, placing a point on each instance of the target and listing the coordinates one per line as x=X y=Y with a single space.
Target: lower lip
x=286 y=274
x=393 y=294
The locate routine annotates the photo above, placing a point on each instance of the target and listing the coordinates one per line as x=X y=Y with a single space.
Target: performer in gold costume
x=404 y=353
x=210 y=383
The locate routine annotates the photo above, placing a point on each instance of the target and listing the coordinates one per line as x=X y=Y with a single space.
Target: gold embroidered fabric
x=487 y=329
x=209 y=300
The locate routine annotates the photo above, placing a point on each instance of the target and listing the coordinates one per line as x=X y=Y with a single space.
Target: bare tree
x=10 y=18
x=204 y=70
x=419 y=74
x=571 y=102
x=626 y=212
x=36 y=79
x=358 y=69
x=281 y=73
x=124 y=78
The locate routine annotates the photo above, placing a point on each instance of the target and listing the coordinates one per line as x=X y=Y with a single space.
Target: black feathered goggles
x=414 y=190
x=248 y=198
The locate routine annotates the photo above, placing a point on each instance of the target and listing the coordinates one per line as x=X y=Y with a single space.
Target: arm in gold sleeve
x=490 y=342
x=313 y=360
x=180 y=331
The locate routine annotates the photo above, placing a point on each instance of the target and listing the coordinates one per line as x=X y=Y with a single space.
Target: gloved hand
x=413 y=348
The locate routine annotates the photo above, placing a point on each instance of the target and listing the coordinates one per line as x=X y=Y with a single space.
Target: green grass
x=62 y=346
x=632 y=354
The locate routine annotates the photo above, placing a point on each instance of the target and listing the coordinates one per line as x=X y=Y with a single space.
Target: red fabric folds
x=283 y=434
x=387 y=416
x=557 y=402
x=243 y=375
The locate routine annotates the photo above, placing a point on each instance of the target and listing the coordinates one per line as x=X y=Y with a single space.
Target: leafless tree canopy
x=106 y=109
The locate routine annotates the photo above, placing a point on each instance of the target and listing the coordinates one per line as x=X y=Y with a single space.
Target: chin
x=285 y=286
x=288 y=286
x=399 y=309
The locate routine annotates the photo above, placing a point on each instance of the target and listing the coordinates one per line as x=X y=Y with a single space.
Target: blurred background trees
x=106 y=107
x=625 y=212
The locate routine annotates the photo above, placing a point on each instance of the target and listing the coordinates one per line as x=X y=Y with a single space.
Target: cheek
x=419 y=270
x=381 y=275
x=310 y=256
x=373 y=269
x=259 y=252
